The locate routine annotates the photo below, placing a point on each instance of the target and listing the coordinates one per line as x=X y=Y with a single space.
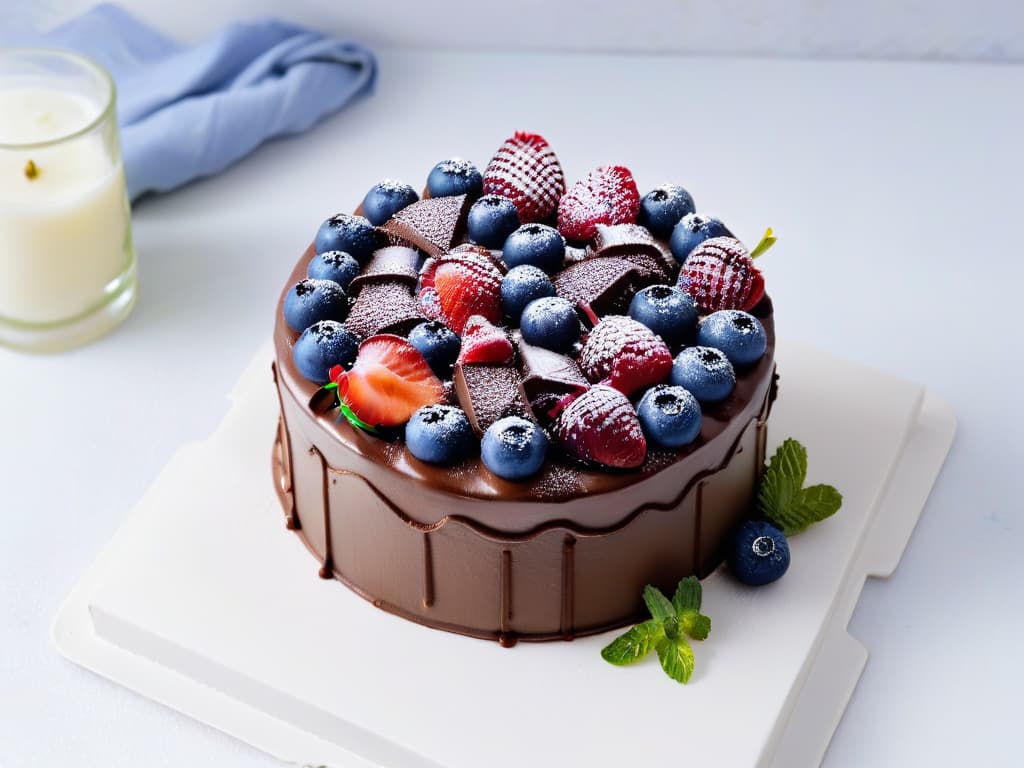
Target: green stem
x=767 y=241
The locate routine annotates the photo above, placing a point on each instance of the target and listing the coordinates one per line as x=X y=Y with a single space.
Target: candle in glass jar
x=67 y=268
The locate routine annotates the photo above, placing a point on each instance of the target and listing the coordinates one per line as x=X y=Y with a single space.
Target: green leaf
x=696 y=625
x=687 y=597
x=676 y=657
x=782 y=481
x=634 y=644
x=657 y=603
x=812 y=505
x=767 y=241
x=354 y=420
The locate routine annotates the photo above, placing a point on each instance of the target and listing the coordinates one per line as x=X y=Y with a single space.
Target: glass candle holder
x=67 y=263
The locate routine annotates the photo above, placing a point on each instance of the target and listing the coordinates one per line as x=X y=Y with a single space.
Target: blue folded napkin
x=191 y=111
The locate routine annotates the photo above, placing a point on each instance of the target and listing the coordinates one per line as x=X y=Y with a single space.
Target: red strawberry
x=389 y=381
x=601 y=426
x=484 y=342
x=607 y=195
x=457 y=286
x=720 y=274
x=624 y=354
x=526 y=170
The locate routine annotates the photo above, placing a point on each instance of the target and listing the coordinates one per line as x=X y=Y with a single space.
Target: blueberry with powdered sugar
x=706 y=372
x=386 y=198
x=439 y=434
x=336 y=266
x=668 y=311
x=310 y=301
x=492 y=219
x=551 y=323
x=538 y=245
x=670 y=416
x=738 y=334
x=354 y=235
x=455 y=177
x=692 y=230
x=321 y=347
x=438 y=344
x=514 y=448
x=663 y=207
x=520 y=286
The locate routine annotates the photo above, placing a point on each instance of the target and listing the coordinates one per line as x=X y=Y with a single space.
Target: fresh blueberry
x=669 y=312
x=321 y=347
x=455 y=177
x=663 y=207
x=438 y=344
x=386 y=198
x=439 y=434
x=334 y=265
x=759 y=553
x=706 y=372
x=491 y=219
x=536 y=244
x=670 y=416
x=692 y=230
x=738 y=334
x=310 y=300
x=354 y=235
x=550 y=322
x=522 y=285
x=513 y=448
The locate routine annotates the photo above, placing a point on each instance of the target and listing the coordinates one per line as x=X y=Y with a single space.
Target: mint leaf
x=687 y=597
x=634 y=644
x=657 y=603
x=783 y=500
x=676 y=657
x=696 y=625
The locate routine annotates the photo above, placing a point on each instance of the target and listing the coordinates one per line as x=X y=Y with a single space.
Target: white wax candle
x=64 y=233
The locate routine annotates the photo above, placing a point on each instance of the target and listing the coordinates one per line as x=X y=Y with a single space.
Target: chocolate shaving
x=394 y=263
x=489 y=392
x=432 y=225
x=636 y=245
x=384 y=307
x=607 y=285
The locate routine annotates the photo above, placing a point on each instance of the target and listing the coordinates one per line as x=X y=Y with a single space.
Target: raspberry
x=720 y=274
x=484 y=342
x=607 y=195
x=601 y=426
x=624 y=354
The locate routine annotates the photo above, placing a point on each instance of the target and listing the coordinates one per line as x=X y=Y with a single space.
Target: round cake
x=507 y=405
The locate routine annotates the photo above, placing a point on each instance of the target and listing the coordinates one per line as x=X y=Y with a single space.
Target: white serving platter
x=205 y=602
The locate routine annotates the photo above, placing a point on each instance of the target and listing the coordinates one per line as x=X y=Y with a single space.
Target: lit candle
x=67 y=266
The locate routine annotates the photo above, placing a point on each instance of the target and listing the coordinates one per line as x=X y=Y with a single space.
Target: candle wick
x=31 y=170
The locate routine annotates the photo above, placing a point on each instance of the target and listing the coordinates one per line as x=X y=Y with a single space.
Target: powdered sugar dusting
x=526 y=170
x=601 y=426
x=620 y=345
x=606 y=195
x=719 y=274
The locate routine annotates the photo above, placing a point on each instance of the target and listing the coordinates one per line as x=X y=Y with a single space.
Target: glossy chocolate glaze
x=564 y=554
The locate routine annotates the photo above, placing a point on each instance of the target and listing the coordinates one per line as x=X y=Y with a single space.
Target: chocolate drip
x=327 y=568
x=284 y=440
x=505 y=636
x=428 y=572
x=568 y=586
x=698 y=543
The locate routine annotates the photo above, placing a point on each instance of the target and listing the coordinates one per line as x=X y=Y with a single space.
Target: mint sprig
x=671 y=623
x=782 y=498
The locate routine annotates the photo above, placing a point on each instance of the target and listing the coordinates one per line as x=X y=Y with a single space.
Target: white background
x=896 y=190
x=901 y=29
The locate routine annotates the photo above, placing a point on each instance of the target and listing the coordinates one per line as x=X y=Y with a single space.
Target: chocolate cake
x=456 y=539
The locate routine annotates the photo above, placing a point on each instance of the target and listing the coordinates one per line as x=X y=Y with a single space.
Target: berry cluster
x=506 y=314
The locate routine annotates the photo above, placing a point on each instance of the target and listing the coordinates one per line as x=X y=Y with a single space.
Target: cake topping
x=395 y=263
x=484 y=342
x=460 y=285
x=526 y=170
x=310 y=301
x=455 y=177
x=550 y=322
x=601 y=426
x=439 y=434
x=491 y=219
x=384 y=307
x=386 y=198
x=663 y=207
x=738 y=334
x=514 y=448
x=604 y=285
x=321 y=347
x=635 y=244
x=670 y=416
x=520 y=286
x=706 y=372
x=432 y=225
x=438 y=344
x=606 y=195
x=354 y=235
x=624 y=354
x=488 y=392
x=692 y=230
x=667 y=311
x=535 y=244
x=389 y=381
x=720 y=274
x=549 y=373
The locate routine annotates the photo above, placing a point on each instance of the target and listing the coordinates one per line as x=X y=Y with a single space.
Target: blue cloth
x=191 y=111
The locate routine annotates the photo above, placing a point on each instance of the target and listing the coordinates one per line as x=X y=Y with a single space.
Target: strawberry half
x=601 y=426
x=720 y=274
x=457 y=286
x=607 y=195
x=526 y=170
x=389 y=381
x=484 y=342
x=624 y=354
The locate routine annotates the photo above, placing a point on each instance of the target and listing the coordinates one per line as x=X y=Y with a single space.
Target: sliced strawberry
x=484 y=342
x=624 y=354
x=457 y=286
x=607 y=195
x=601 y=426
x=526 y=170
x=389 y=381
x=720 y=274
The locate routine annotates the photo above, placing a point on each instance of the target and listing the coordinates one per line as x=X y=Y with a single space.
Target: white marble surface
x=895 y=189
x=872 y=29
